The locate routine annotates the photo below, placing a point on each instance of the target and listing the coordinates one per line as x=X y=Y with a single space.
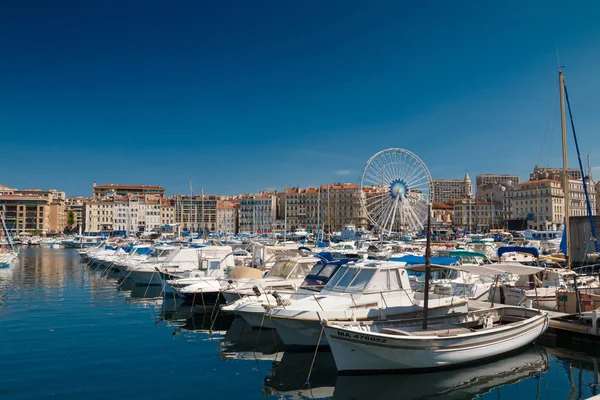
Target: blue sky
x=243 y=96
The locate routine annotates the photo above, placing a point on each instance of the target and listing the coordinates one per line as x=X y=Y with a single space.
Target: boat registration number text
x=361 y=337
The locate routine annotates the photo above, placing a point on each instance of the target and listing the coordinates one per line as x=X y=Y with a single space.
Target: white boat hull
x=363 y=351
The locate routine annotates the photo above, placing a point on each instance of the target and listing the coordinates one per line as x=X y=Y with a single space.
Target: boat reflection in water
x=242 y=342
x=288 y=376
x=185 y=317
x=461 y=383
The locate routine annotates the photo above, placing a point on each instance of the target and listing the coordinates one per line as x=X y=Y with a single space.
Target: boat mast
x=427 y=269
x=567 y=208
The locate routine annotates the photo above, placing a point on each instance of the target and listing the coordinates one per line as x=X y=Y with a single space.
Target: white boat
x=208 y=262
x=440 y=341
x=8 y=258
x=286 y=275
x=252 y=307
x=81 y=241
x=469 y=382
x=362 y=291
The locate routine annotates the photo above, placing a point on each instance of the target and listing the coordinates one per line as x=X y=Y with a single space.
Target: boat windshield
x=282 y=268
x=351 y=279
x=163 y=253
x=302 y=269
x=336 y=278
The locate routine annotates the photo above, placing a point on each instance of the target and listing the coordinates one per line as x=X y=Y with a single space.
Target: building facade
x=504 y=179
x=74 y=205
x=442 y=215
x=34 y=210
x=102 y=192
x=196 y=213
x=167 y=213
x=446 y=190
x=226 y=217
x=478 y=216
x=258 y=213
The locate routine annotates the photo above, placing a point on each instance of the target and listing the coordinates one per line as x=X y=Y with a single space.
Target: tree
x=71 y=218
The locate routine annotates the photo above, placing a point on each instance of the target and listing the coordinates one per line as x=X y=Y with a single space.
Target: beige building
x=442 y=215
x=486 y=179
x=196 y=213
x=478 y=216
x=75 y=205
x=226 y=217
x=34 y=210
x=554 y=173
x=258 y=213
x=112 y=190
x=446 y=190
x=497 y=192
x=541 y=203
x=328 y=207
x=6 y=189
x=99 y=215
x=167 y=212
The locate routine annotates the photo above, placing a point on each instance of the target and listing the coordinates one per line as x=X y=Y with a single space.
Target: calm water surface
x=68 y=331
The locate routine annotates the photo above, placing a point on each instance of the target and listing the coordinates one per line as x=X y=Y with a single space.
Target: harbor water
x=68 y=331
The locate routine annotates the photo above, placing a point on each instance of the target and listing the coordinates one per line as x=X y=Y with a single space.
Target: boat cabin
x=369 y=277
x=292 y=268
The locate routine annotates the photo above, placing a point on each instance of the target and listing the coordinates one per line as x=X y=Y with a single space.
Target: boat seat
x=433 y=330
x=400 y=332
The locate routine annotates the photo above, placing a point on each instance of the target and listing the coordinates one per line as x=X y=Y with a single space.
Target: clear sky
x=241 y=96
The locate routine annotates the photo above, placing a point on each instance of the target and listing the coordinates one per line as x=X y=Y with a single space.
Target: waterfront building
x=541 y=202
x=258 y=212
x=504 y=179
x=446 y=190
x=167 y=212
x=554 y=173
x=99 y=215
x=478 y=216
x=6 y=190
x=442 y=215
x=34 y=210
x=137 y=213
x=112 y=190
x=329 y=207
x=75 y=205
x=499 y=192
x=226 y=217
x=196 y=213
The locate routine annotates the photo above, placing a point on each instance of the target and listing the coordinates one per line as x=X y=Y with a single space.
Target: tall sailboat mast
x=567 y=208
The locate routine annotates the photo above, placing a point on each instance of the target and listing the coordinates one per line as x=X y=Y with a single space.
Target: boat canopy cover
x=413 y=260
x=489 y=269
x=518 y=249
x=466 y=253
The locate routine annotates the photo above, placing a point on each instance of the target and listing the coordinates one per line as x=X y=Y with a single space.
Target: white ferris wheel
x=398 y=189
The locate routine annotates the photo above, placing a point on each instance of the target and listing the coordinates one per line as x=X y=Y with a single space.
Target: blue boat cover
x=519 y=249
x=563 y=244
x=415 y=260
